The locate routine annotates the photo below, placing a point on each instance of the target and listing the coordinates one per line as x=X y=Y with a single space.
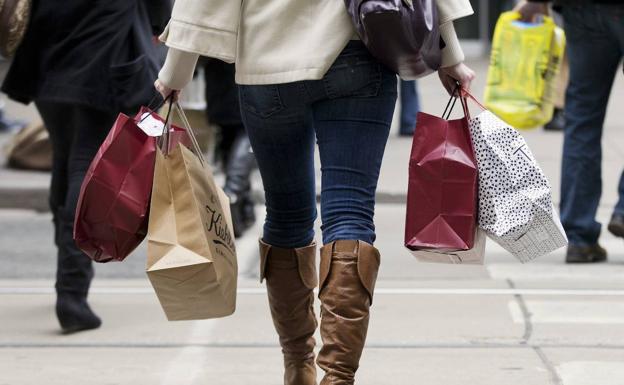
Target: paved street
x=544 y=323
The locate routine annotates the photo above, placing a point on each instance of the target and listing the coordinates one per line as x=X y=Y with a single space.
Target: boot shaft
x=348 y=272
x=291 y=278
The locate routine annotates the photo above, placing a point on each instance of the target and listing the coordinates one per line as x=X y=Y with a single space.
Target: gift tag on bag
x=150 y=125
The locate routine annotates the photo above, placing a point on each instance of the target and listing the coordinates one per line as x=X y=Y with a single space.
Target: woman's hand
x=457 y=73
x=166 y=91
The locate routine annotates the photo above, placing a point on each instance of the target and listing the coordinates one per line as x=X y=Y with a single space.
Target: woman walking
x=82 y=63
x=304 y=76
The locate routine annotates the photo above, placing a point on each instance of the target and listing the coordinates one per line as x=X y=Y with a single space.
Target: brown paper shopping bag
x=191 y=259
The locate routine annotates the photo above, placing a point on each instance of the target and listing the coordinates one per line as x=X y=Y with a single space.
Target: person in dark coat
x=83 y=62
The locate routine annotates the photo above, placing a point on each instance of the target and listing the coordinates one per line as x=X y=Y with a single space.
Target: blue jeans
x=410 y=105
x=349 y=113
x=595 y=44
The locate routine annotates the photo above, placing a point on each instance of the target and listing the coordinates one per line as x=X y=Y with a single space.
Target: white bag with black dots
x=515 y=200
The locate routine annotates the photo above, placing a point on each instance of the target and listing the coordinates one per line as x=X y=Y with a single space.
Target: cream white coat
x=273 y=41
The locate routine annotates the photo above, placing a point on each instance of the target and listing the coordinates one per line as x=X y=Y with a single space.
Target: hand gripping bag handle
x=465 y=95
x=452 y=100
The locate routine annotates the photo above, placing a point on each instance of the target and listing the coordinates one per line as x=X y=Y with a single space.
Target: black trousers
x=76 y=133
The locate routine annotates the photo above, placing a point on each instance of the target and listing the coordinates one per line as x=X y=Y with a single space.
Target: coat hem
x=209 y=42
x=281 y=77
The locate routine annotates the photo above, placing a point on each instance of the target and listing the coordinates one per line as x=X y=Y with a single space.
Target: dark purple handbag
x=402 y=34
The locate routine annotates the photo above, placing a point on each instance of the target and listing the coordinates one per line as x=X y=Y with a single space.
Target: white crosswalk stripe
x=559 y=271
x=568 y=312
x=591 y=373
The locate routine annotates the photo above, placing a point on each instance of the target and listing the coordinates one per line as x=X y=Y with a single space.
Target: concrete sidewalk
x=447 y=335
x=544 y=323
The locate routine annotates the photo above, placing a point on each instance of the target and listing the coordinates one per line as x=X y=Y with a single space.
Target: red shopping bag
x=112 y=212
x=442 y=192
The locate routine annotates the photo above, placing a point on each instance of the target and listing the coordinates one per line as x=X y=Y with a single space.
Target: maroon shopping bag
x=112 y=212
x=442 y=192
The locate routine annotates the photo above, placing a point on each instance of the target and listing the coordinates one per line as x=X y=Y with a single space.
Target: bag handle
x=464 y=96
x=191 y=133
x=453 y=99
x=468 y=95
x=151 y=110
x=164 y=141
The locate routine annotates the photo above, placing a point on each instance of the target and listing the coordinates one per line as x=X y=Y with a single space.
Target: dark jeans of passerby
x=595 y=44
x=410 y=105
x=348 y=113
x=76 y=134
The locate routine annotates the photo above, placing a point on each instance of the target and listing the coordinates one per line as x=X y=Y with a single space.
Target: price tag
x=150 y=125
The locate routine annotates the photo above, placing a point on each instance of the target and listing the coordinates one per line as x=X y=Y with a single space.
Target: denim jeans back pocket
x=357 y=75
x=262 y=100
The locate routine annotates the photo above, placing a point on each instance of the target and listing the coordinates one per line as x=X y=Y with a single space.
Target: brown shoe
x=348 y=273
x=616 y=225
x=291 y=279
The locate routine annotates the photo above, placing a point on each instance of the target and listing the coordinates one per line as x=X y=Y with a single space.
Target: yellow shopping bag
x=525 y=60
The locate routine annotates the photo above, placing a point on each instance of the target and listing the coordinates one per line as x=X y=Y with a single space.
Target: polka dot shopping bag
x=515 y=198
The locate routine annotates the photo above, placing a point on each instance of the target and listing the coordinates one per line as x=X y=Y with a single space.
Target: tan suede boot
x=347 y=280
x=291 y=278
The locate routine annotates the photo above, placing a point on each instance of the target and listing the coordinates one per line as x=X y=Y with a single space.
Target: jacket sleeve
x=178 y=69
x=449 y=10
x=204 y=27
x=452 y=52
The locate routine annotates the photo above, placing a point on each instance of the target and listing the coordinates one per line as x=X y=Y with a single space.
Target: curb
x=20 y=198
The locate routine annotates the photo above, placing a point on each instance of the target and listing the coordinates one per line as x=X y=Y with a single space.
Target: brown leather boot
x=291 y=279
x=347 y=280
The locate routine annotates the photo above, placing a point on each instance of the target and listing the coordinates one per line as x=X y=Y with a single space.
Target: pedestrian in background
x=557 y=123
x=595 y=47
x=232 y=148
x=303 y=79
x=82 y=63
x=410 y=106
x=6 y=124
